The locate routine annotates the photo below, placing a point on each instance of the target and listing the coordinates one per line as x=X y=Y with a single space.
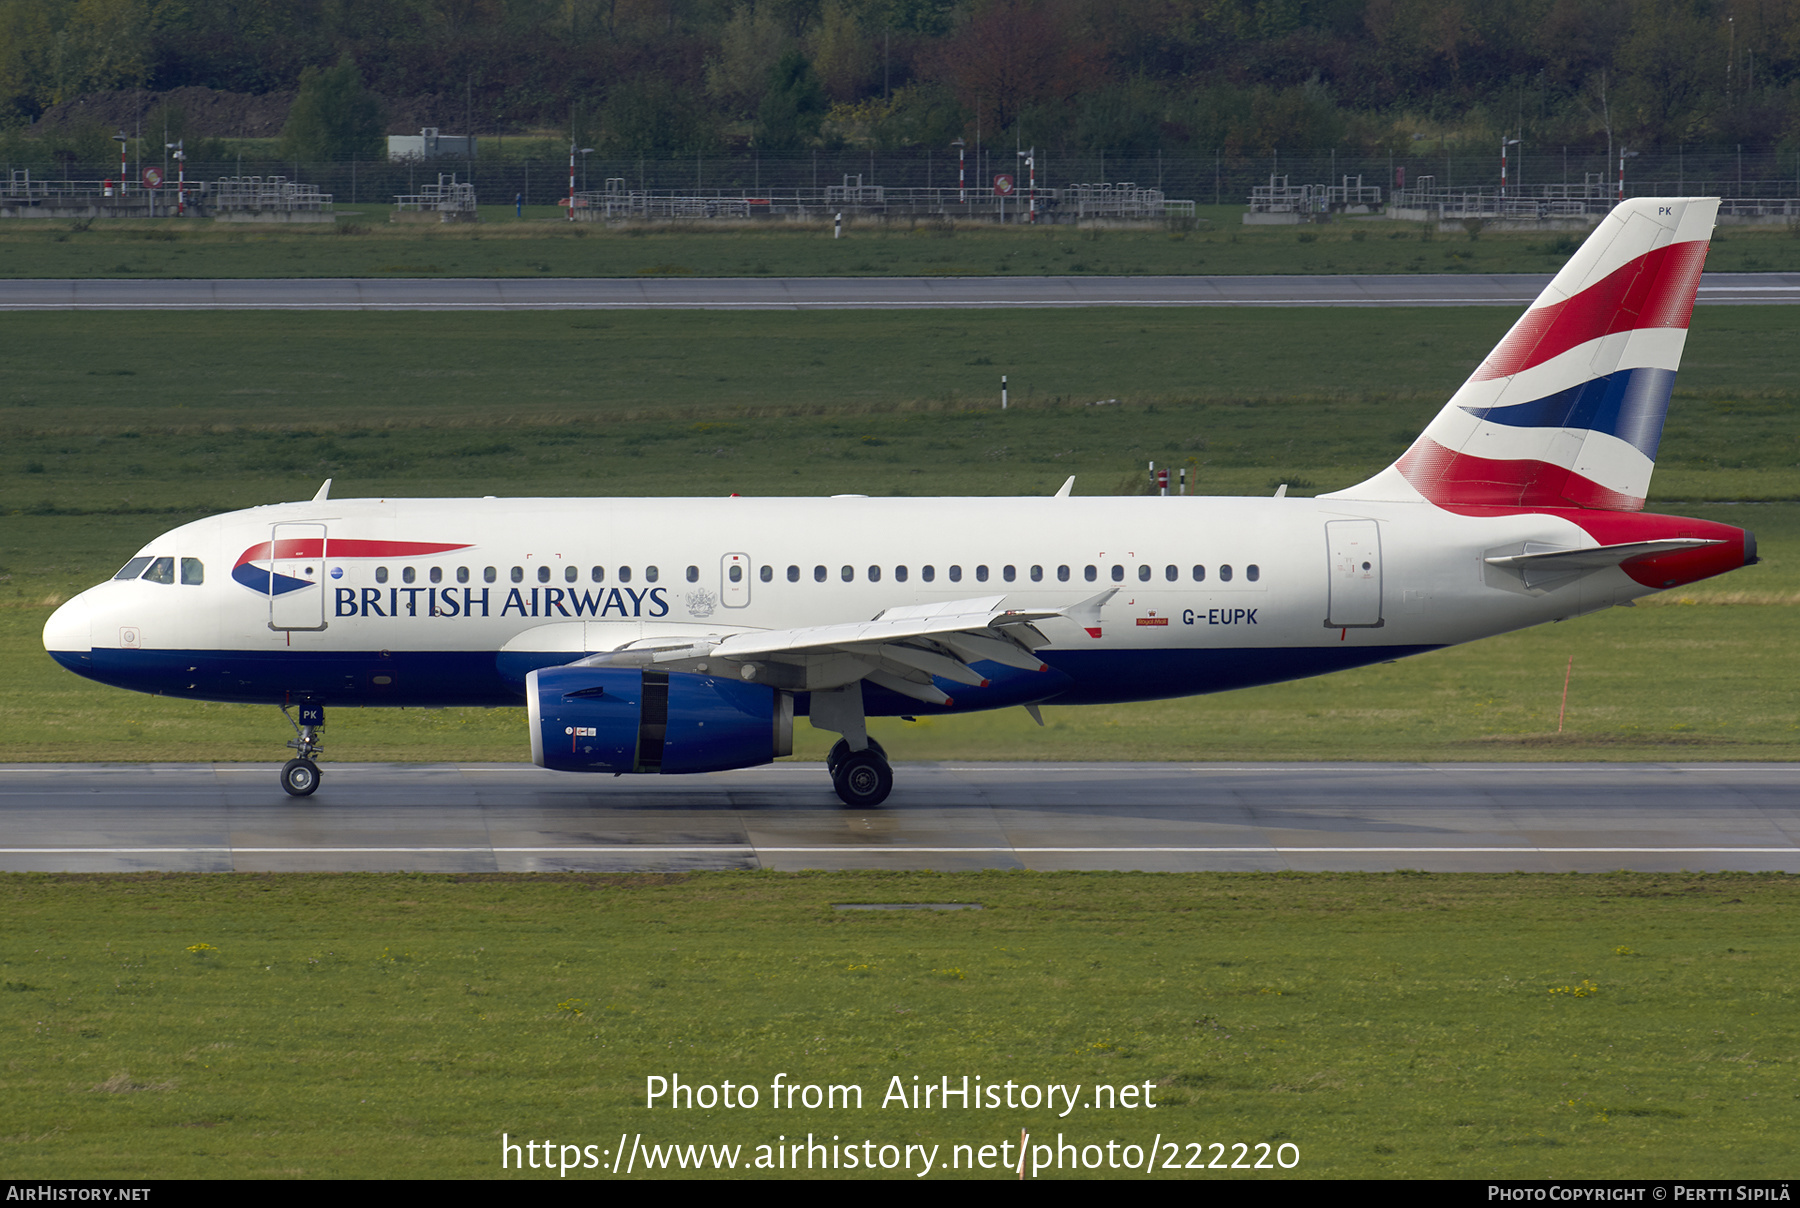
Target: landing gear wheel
x=301 y=776
x=863 y=779
x=841 y=748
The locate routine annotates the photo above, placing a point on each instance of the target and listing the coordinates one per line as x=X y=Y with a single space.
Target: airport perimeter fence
x=820 y=177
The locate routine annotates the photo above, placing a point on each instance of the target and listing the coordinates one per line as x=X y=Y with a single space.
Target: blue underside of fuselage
x=433 y=679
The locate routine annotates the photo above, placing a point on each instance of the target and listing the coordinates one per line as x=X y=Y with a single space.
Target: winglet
x=324 y=492
x=1067 y=486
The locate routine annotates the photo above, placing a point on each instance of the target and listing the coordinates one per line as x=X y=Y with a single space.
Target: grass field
x=109 y=439
x=366 y=245
x=1385 y=1026
x=1624 y=1026
x=119 y=412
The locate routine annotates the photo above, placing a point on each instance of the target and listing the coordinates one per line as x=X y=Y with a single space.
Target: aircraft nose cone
x=67 y=630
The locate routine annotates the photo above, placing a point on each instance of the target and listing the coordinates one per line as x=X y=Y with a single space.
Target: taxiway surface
x=829 y=293
x=1171 y=817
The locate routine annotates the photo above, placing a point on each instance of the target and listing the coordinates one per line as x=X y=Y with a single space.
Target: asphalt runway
x=830 y=293
x=1169 y=817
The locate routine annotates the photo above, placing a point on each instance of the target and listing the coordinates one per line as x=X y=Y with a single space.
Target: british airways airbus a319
x=664 y=636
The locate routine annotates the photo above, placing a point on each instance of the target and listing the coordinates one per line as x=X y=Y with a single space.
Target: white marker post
x=1003 y=392
x=837 y=228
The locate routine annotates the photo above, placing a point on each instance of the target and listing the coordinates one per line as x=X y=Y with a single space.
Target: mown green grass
x=1389 y=1025
x=365 y=244
x=121 y=412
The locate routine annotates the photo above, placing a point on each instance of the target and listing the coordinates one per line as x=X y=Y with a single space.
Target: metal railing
x=1124 y=199
x=267 y=193
x=1072 y=203
x=447 y=196
x=1281 y=197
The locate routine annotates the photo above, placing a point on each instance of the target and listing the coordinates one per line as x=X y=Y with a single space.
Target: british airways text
x=473 y=602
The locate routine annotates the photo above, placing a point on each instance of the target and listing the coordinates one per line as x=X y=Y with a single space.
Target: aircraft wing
x=902 y=649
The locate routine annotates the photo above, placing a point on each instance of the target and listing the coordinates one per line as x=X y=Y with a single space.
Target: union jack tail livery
x=1567 y=410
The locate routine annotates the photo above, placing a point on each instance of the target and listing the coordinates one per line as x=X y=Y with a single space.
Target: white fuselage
x=1214 y=593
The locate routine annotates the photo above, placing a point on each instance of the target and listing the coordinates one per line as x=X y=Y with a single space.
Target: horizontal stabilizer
x=1562 y=561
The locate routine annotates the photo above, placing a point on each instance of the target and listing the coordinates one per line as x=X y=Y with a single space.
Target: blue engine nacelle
x=628 y=719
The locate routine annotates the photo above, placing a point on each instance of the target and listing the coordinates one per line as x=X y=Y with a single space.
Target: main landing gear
x=300 y=776
x=862 y=778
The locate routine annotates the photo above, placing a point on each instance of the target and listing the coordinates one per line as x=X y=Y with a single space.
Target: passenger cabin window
x=193 y=573
x=693 y=574
x=1118 y=573
x=1253 y=572
x=735 y=574
x=543 y=574
x=570 y=574
x=1199 y=574
x=847 y=574
x=956 y=574
x=1144 y=573
x=462 y=574
x=624 y=574
x=1062 y=574
x=793 y=574
x=161 y=571
x=818 y=574
x=1225 y=574
x=766 y=573
x=899 y=574
x=981 y=574
x=1008 y=573
x=874 y=574
x=518 y=574
x=437 y=574
x=381 y=574
x=650 y=574
x=598 y=574
x=133 y=568
x=1090 y=573
x=489 y=574
x=407 y=575
x=928 y=573
x=1037 y=574
x=1171 y=573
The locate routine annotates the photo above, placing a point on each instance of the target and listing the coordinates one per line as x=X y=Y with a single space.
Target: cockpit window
x=132 y=569
x=161 y=571
x=193 y=572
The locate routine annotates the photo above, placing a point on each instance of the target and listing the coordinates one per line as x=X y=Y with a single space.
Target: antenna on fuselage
x=323 y=492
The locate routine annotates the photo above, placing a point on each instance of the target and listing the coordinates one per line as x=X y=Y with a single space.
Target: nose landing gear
x=300 y=776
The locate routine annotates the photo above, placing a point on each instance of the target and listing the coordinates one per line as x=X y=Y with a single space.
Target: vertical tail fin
x=1568 y=408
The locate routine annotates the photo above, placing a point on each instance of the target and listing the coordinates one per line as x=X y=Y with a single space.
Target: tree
x=652 y=118
x=793 y=108
x=333 y=117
